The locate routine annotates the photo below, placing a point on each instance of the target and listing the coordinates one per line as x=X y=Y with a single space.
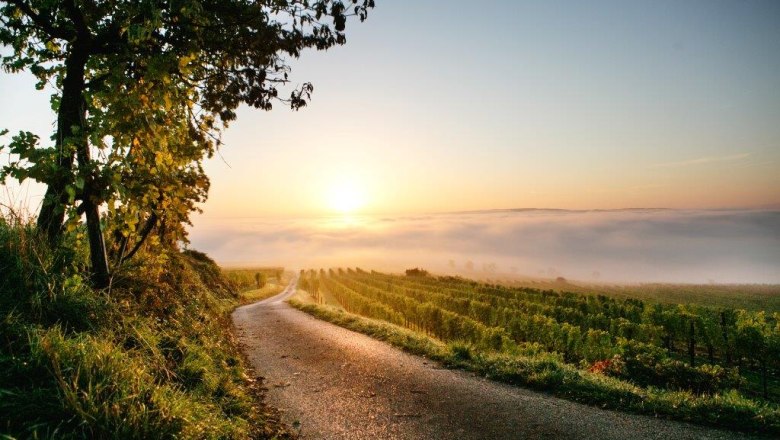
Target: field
x=753 y=297
x=706 y=364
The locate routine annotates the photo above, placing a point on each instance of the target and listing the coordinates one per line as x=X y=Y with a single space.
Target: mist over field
x=727 y=246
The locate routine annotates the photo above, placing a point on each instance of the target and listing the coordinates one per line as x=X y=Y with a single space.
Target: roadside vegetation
x=257 y=284
x=708 y=365
x=153 y=357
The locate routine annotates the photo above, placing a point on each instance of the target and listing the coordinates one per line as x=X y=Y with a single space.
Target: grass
x=546 y=372
x=254 y=295
x=151 y=358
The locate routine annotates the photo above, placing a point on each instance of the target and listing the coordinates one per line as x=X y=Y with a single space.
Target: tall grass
x=152 y=358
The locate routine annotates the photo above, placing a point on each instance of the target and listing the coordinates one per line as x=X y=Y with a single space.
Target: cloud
x=703 y=160
x=626 y=245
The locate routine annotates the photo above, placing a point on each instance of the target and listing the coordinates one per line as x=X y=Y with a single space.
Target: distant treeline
x=253 y=278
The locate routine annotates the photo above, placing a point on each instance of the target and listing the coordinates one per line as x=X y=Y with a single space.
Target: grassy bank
x=266 y=292
x=542 y=371
x=151 y=358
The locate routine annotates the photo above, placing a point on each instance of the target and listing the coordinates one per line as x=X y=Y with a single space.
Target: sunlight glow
x=346 y=197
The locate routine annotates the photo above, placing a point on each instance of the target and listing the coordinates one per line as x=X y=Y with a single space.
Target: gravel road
x=330 y=382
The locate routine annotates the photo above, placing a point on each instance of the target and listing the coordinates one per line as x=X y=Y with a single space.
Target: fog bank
x=610 y=246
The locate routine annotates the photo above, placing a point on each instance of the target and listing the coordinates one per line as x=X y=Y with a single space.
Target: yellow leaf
x=183 y=61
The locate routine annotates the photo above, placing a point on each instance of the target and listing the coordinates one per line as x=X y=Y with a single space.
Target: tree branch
x=148 y=226
x=82 y=30
x=122 y=249
x=49 y=28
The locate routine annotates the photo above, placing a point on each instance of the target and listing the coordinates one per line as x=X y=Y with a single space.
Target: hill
x=150 y=357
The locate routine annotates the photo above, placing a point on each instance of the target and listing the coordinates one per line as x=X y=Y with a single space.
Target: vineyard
x=695 y=349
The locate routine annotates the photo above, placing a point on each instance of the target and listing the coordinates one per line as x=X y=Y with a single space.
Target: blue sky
x=437 y=106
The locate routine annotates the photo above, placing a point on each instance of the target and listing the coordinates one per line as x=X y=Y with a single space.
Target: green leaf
x=71 y=193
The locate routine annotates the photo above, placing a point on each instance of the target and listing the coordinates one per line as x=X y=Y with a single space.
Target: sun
x=346 y=197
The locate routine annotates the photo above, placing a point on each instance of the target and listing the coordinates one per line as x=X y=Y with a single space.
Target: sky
x=434 y=110
x=450 y=106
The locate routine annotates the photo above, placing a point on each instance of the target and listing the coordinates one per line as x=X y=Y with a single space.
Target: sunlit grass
x=267 y=291
x=153 y=359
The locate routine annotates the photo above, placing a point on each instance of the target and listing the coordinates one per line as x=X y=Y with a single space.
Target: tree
x=143 y=90
x=260 y=280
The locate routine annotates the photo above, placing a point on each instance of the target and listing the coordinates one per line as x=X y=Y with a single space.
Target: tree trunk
x=97 y=247
x=71 y=132
x=70 y=114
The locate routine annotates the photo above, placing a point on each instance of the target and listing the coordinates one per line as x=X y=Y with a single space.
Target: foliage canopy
x=142 y=91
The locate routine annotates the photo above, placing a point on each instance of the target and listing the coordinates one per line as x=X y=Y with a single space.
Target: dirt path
x=335 y=383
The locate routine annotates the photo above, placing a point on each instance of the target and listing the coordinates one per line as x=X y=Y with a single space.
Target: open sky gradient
x=458 y=105
x=462 y=105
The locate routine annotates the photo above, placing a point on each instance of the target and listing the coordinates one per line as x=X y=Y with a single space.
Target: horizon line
x=766 y=207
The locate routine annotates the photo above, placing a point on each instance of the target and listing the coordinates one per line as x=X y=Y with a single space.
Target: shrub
x=646 y=370
x=416 y=272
